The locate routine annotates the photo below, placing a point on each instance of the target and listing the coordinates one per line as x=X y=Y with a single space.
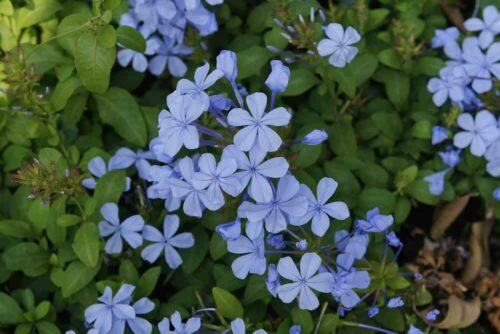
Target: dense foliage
x=279 y=166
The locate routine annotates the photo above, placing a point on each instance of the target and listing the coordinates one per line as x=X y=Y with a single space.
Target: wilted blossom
x=129 y=229
x=338 y=45
x=395 y=302
x=166 y=242
x=314 y=137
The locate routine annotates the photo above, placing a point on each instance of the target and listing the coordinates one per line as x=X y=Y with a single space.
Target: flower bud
x=277 y=81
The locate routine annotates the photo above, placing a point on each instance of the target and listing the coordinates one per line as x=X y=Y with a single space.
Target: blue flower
x=439 y=134
x=190 y=327
x=256 y=132
x=319 y=210
x=138 y=60
x=202 y=80
x=375 y=222
x=272 y=280
x=276 y=240
x=301 y=245
x=493 y=156
x=303 y=282
x=97 y=167
x=489 y=26
x=315 y=137
x=129 y=229
x=338 y=45
x=137 y=325
x=354 y=246
x=125 y=157
x=450 y=157
x=285 y=207
x=238 y=327
x=436 y=182
x=169 y=55
x=442 y=37
x=479 y=131
x=254 y=259
x=111 y=309
x=166 y=242
x=295 y=329
x=395 y=302
x=343 y=284
x=393 y=240
x=432 y=315
x=414 y=330
x=189 y=191
x=481 y=66
x=373 y=311
x=227 y=63
x=496 y=194
x=152 y=11
x=277 y=81
x=176 y=128
x=230 y=231
x=450 y=84
x=217 y=177
x=255 y=170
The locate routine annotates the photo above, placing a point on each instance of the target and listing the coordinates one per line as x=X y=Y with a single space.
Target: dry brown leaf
x=453 y=13
x=476 y=251
x=460 y=313
x=447 y=215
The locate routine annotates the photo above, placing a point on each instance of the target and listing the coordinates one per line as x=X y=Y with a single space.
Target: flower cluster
x=469 y=74
x=163 y=23
x=270 y=231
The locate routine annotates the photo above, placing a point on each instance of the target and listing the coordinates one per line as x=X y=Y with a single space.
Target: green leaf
x=422 y=129
x=69 y=30
x=402 y=209
x=128 y=273
x=42 y=309
x=93 y=63
x=304 y=319
x=86 y=244
x=227 y=304
x=147 y=282
x=388 y=123
x=342 y=139
x=329 y=323
x=429 y=65
x=28 y=257
x=218 y=247
x=106 y=36
x=255 y=289
x=391 y=58
x=398 y=89
x=6 y=7
x=301 y=80
x=76 y=277
x=373 y=174
x=15 y=228
x=110 y=187
x=45 y=57
x=10 y=312
x=63 y=91
x=345 y=79
x=194 y=256
x=131 y=38
x=406 y=176
x=251 y=60
x=119 y=109
x=110 y=4
x=370 y=198
x=40 y=11
x=68 y=220
x=363 y=67
x=46 y=327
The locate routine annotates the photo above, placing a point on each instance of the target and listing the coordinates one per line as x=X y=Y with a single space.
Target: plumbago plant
x=209 y=166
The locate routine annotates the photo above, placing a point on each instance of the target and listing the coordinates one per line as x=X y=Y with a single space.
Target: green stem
x=321 y=315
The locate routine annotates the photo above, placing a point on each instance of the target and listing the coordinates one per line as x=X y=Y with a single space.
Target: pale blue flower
x=277 y=81
x=151 y=12
x=238 y=327
x=450 y=157
x=442 y=37
x=129 y=229
x=190 y=327
x=227 y=63
x=230 y=231
x=344 y=282
x=489 y=26
x=166 y=242
x=97 y=167
x=480 y=67
x=276 y=240
x=285 y=207
x=395 y=302
x=137 y=325
x=303 y=282
x=216 y=178
x=272 y=280
x=393 y=240
x=436 y=182
x=450 y=84
x=314 y=137
x=414 y=330
x=301 y=245
x=432 y=315
x=252 y=259
x=354 y=245
x=439 y=134
x=338 y=45
x=479 y=132
x=111 y=309
x=256 y=131
x=125 y=157
x=202 y=80
x=256 y=171
x=319 y=210
x=373 y=311
x=375 y=222
x=496 y=194
x=295 y=329
x=169 y=55
x=176 y=128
